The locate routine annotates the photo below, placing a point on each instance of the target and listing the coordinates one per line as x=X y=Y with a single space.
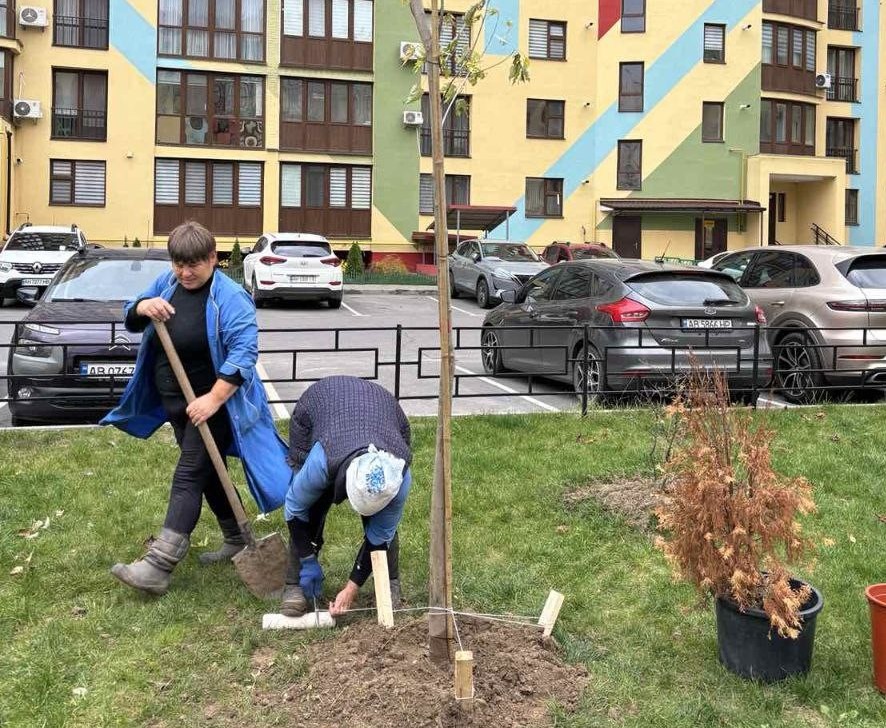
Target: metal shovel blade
x=262 y=566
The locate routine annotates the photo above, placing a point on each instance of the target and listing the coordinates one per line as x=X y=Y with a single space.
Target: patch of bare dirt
x=634 y=499
x=369 y=677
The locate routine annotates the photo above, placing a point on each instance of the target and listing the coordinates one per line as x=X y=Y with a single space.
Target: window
x=226 y=197
x=455 y=40
x=542 y=286
x=547 y=40
x=714 y=43
x=7 y=19
x=458 y=192
x=79 y=104
x=787 y=127
x=544 y=119
x=633 y=16
x=841 y=66
x=327 y=34
x=5 y=84
x=575 y=282
x=206 y=109
x=630 y=165
x=333 y=200
x=77 y=183
x=80 y=23
x=456 y=128
x=712 y=121
x=852 y=207
x=325 y=116
x=843 y=14
x=219 y=29
x=789 y=58
x=840 y=142
x=771 y=270
x=544 y=197
x=630 y=87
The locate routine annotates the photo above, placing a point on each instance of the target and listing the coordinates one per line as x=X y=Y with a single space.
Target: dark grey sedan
x=643 y=323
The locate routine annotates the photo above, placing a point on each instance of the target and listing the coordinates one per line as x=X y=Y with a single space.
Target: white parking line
x=456 y=308
x=356 y=313
x=531 y=400
x=271 y=391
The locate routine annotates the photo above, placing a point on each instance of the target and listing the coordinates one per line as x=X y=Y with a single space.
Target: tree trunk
x=440 y=587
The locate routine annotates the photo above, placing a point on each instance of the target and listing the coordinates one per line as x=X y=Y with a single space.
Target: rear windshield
x=95 y=279
x=868 y=272
x=585 y=253
x=302 y=250
x=688 y=290
x=513 y=253
x=42 y=241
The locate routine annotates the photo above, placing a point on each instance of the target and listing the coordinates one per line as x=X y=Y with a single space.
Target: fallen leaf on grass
x=828 y=542
x=851 y=538
x=78 y=611
x=882 y=518
x=820 y=415
x=16 y=570
x=59 y=514
x=79 y=692
x=202 y=542
x=562 y=529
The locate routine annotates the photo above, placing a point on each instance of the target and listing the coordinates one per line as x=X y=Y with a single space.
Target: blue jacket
x=233 y=343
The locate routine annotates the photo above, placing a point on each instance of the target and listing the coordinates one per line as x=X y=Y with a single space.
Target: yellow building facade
x=658 y=127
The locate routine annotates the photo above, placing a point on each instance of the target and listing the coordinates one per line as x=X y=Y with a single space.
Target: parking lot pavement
x=309 y=326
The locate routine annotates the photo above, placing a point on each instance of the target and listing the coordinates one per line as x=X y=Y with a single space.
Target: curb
x=397 y=290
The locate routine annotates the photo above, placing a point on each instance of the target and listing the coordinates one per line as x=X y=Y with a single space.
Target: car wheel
x=797 y=369
x=593 y=373
x=334 y=301
x=483 y=297
x=490 y=352
x=453 y=291
x=256 y=296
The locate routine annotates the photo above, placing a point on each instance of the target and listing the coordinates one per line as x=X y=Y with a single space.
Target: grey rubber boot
x=232 y=545
x=394 y=571
x=152 y=572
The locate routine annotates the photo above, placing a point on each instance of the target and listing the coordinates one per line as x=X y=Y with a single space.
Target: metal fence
x=75 y=376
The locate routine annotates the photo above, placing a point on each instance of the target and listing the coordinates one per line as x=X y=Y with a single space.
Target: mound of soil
x=369 y=677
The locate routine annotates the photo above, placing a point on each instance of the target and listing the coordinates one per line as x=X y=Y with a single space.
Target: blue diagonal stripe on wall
x=134 y=37
x=502 y=30
x=866 y=182
x=601 y=138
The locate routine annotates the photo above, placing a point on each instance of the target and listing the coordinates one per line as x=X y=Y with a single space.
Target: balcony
x=76 y=32
x=843 y=89
x=842 y=16
x=848 y=153
x=79 y=124
x=806 y=9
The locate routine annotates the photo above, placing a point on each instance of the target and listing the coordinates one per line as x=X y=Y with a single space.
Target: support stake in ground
x=382 y=582
x=550 y=612
x=464 y=679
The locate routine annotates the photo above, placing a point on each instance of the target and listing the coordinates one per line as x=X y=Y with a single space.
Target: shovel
x=262 y=564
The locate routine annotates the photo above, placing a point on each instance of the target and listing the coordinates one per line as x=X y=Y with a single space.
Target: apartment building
x=678 y=127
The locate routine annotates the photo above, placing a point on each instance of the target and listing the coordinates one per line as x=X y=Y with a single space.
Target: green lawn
x=651 y=652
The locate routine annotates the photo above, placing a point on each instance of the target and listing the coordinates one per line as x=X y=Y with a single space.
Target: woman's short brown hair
x=190 y=242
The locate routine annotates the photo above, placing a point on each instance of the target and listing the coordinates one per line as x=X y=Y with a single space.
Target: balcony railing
x=848 y=153
x=807 y=9
x=843 y=89
x=77 y=32
x=456 y=142
x=79 y=124
x=842 y=16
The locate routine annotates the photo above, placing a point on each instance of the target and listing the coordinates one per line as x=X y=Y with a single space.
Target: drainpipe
x=8 y=180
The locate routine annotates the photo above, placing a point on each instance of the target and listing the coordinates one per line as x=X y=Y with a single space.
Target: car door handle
x=777 y=303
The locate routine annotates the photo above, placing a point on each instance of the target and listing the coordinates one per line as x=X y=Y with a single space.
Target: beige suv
x=826 y=313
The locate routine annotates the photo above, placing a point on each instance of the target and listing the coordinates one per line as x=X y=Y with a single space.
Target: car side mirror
x=475 y=257
x=509 y=296
x=27 y=295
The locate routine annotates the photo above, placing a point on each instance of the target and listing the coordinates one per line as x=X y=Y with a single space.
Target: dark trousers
x=195 y=476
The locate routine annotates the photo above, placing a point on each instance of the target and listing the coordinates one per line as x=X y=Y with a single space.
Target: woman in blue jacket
x=211 y=321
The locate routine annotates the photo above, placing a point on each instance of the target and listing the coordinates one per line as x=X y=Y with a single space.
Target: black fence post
x=755 y=367
x=398 y=347
x=584 y=379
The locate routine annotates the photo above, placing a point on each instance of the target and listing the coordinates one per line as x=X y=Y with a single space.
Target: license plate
x=302 y=279
x=106 y=369
x=707 y=323
x=36 y=281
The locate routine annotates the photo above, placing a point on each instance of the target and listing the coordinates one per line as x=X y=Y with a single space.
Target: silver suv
x=33 y=254
x=826 y=308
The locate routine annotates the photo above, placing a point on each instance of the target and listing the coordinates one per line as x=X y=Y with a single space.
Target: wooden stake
x=382 y=588
x=464 y=678
x=550 y=613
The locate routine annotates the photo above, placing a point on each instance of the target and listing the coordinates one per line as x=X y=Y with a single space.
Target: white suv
x=33 y=254
x=293 y=266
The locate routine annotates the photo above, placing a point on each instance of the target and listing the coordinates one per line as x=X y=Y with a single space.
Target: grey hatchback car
x=826 y=307
x=643 y=322
x=485 y=268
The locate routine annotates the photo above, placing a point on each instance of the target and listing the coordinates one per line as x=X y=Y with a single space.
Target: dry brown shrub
x=730 y=522
x=389 y=265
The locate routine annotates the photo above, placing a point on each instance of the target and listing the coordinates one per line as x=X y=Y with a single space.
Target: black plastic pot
x=750 y=648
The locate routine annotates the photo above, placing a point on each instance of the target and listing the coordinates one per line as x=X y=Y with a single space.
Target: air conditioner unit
x=32 y=17
x=413 y=118
x=26 y=109
x=823 y=80
x=409 y=50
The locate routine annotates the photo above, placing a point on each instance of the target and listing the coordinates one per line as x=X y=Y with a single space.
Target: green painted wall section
x=697 y=169
x=395 y=147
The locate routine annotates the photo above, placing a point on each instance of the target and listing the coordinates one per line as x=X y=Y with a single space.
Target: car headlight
x=42 y=329
x=5 y=267
x=502 y=273
x=29 y=347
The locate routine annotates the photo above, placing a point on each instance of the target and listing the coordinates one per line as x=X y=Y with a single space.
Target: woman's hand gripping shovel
x=262 y=564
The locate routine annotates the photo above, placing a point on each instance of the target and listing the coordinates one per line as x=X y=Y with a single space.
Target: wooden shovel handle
x=208 y=440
